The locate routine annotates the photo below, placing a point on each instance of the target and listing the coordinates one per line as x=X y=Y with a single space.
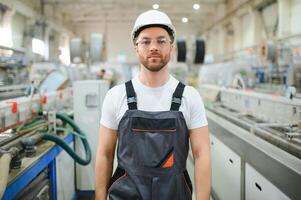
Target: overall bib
x=152 y=153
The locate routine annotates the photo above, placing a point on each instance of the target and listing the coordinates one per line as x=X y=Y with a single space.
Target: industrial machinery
x=255 y=129
x=253 y=133
x=25 y=156
x=31 y=167
x=14 y=69
x=88 y=98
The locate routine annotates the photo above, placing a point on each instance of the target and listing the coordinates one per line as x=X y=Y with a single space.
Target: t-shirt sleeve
x=108 y=111
x=197 y=111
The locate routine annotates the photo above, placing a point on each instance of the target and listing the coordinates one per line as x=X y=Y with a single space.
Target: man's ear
x=172 y=47
x=136 y=49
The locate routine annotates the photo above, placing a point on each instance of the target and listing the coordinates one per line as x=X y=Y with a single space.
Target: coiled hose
x=65 y=146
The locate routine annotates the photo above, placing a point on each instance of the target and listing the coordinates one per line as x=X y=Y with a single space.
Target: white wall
x=270 y=15
x=295 y=17
x=118 y=42
x=20 y=19
x=18 y=28
x=247 y=32
x=248 y=25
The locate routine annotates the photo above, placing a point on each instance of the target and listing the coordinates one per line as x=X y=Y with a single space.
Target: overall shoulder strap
x=177 y=97
x=131 y=95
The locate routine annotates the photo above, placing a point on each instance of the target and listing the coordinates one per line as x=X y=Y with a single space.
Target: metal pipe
x=227 y=16
x=282 y=143
x=260 y=131
x=289 y=37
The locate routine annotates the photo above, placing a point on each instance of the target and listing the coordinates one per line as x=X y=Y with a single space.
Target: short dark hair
x=169 y=31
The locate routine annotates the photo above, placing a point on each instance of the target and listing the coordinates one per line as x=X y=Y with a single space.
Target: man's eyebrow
x=145 y=38
x=148 y=38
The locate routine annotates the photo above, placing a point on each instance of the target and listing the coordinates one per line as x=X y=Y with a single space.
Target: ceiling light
x=196 y=6
x=156 y=6
x=184 y=19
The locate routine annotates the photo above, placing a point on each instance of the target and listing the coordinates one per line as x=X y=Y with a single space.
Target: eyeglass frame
x=151 y=40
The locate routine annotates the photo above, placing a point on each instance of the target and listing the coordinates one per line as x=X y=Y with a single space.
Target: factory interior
x=58 y=59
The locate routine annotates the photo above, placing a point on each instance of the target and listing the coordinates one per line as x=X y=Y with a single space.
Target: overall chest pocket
x=153 y=141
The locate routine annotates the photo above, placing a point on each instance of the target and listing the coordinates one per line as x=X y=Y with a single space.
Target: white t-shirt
x=153 y=99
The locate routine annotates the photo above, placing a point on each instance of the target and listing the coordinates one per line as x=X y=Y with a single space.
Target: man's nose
x=153 y=46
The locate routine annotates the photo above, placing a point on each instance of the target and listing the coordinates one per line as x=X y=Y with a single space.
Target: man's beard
x=155 y=67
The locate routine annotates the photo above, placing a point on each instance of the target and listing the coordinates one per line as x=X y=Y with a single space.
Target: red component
x=44 y=99
x=276 y=94
x=14 y=107
x=250 y=51
x=298 y=50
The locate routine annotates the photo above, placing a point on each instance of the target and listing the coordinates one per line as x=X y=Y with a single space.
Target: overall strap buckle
x=131 y=95
x=176 y=100
x=132 y=100
x=177 y=97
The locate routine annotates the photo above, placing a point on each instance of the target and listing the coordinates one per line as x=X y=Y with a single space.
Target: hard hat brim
x=169 y=30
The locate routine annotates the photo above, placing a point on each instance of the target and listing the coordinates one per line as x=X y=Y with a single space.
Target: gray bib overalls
x=152 y=153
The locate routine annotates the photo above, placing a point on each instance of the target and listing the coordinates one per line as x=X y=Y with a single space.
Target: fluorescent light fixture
x=156 y=6
x=196 y=6
x=38 y=46
x=184 y=19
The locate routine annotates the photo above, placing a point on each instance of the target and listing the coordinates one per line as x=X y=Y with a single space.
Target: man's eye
x=162 y=41
x=145 y=42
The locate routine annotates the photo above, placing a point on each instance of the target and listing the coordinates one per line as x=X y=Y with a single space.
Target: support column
x=236 y=22
x=257 y=28
x=5 y=28
x=284 y=14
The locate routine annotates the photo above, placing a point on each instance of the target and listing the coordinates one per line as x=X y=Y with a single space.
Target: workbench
x=46 y=158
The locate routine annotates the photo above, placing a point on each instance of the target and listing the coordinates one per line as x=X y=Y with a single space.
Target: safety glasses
x=146 y=42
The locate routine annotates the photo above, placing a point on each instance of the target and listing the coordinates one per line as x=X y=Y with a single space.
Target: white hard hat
x=153 y=17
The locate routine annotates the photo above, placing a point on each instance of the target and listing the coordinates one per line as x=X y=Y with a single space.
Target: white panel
x=76 y=48
x=96 y=45
x=270 y=15
x=18 y=26
x=226 y=171
x=247 y=32
x=258 y=187
x=295 y=16
x=65 y=176
x=87 y=116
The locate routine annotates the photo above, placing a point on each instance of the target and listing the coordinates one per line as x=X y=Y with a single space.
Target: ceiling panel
x=81 y=11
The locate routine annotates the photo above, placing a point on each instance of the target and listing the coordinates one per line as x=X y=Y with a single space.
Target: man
x=153 y=116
